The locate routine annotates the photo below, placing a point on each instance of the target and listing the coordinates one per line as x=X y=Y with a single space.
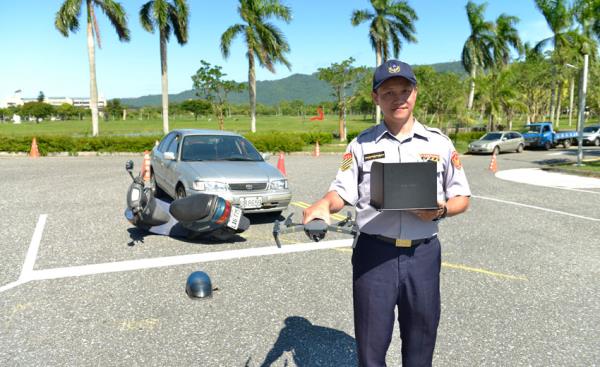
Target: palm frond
x=117 y=16
x=360 y=16
x=67 y=17
x=178 y=16
x=228 y=36
x=146 y=18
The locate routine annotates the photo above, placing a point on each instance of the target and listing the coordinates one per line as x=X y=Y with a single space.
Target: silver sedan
x=187 y=162
x=498 y=141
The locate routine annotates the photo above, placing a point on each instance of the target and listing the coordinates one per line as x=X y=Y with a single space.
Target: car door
x=513 y=142
x=158 y=162
x=170 y=166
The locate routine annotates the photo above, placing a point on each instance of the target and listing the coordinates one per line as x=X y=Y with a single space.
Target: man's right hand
x=320 y=210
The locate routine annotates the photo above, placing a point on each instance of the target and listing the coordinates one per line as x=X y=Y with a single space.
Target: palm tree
x=165 y=16
x=264 y=41
x=67 y=20
x=390 y=22
x=506 y=37
x=476 y=51
x=559 y=18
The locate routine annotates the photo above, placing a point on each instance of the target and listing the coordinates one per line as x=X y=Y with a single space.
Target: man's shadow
x=312 y=345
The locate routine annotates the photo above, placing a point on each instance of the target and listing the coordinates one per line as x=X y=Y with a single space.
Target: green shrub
x=55 y=144
x=276 y=142
x=311 y=138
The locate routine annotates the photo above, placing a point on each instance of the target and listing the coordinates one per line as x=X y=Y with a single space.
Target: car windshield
x=532 y=129
x=218 y=148
x=491 y=136
x=590 y=129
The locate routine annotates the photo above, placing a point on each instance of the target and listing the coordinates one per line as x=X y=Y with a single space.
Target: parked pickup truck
x=541 y=134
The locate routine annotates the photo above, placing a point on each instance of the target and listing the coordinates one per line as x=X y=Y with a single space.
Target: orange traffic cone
x=34 y=152
x=281 y=164
x=493 y=165
x=146 y=166
x=317 y=151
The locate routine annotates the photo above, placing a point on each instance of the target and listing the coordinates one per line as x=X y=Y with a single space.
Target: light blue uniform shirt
x=377 y=144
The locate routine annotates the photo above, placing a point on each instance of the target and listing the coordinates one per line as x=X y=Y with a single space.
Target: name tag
x=371 y=156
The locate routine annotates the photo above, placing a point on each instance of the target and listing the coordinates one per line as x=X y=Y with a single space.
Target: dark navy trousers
x=386 y=277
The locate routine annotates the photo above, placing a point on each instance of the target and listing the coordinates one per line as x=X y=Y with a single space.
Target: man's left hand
x=430 y=214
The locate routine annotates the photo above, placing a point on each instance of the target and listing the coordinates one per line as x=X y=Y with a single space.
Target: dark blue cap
x=393 y=69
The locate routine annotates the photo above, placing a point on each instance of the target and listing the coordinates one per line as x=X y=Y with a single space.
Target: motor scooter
x=195 y=217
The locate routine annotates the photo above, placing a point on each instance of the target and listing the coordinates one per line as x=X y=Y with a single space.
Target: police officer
x=396 y=260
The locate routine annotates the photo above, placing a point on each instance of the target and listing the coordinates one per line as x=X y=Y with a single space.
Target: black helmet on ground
x=198 y=285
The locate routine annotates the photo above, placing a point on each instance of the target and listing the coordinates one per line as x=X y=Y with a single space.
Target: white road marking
x=538 y=177
x=12 y=285
x=76 y=271
x=34 y=246
x=537 y=207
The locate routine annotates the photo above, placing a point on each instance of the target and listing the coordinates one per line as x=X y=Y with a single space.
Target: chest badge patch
x=456 y=161
x=346 y=161
x=428 y=157
x=371 y=156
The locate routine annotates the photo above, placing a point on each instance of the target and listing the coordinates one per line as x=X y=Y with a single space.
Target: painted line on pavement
x=537 y=208
x=76 y=271
x=34 y=246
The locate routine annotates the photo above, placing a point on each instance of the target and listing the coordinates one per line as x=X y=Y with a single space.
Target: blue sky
x=35 y=57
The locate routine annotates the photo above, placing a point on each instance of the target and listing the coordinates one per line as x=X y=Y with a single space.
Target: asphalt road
x=520 y=276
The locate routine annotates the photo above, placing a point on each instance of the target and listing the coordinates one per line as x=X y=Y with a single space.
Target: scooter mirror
x=129 y=165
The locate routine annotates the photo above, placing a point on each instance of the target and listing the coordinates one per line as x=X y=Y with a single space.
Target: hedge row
x=264 y=142
x=56 y=144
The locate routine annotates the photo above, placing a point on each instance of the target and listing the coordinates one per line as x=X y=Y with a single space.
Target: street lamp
x=581 y=119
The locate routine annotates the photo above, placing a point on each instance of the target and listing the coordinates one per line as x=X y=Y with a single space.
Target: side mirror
x=265 y=156
x=129 y=165
x=504 y=138
x=170 y=156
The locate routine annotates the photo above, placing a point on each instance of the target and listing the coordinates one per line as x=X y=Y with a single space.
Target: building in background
x=16 y=100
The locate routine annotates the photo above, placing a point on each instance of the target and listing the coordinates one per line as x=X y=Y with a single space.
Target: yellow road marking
x=145 y=324
x=482 y=271
x=304 y=205
x=462 y=267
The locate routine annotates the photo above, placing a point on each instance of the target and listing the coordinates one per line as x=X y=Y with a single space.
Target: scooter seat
x=192 y=208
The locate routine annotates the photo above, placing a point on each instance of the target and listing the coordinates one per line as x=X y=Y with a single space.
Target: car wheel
x=180 y=192
x=597 y=142
x=520 y=148
x=156 y=190
x=496 y=150
x=547 y=145
x=567 y=143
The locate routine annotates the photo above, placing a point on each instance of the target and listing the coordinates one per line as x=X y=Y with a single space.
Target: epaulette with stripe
x=437 y=131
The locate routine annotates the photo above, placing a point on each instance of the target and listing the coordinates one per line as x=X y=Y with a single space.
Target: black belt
x=402 y=243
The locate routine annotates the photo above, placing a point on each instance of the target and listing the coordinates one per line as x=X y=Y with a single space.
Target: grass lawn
x=589 y=168
x=239 y=124
x=153 y=127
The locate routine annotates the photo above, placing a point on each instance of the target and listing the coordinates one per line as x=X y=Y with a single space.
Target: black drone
x=316 y=229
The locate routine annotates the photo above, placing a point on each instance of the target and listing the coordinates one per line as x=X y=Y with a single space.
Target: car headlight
x=209 y=186
x=279 y=184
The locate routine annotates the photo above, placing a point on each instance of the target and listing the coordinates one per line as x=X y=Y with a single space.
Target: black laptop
x=404 y=186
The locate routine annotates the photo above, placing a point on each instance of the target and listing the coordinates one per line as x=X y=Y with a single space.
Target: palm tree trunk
x=92 y=60
x=571 y=94
x=558 y=104
x=252 y=90
x=164 y=81
x=377 y=108
x=472 y=90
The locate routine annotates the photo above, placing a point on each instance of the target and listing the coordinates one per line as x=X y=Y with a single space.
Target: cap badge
x=394 y=68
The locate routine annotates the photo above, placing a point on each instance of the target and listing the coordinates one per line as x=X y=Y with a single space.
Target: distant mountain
x=307 y=88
